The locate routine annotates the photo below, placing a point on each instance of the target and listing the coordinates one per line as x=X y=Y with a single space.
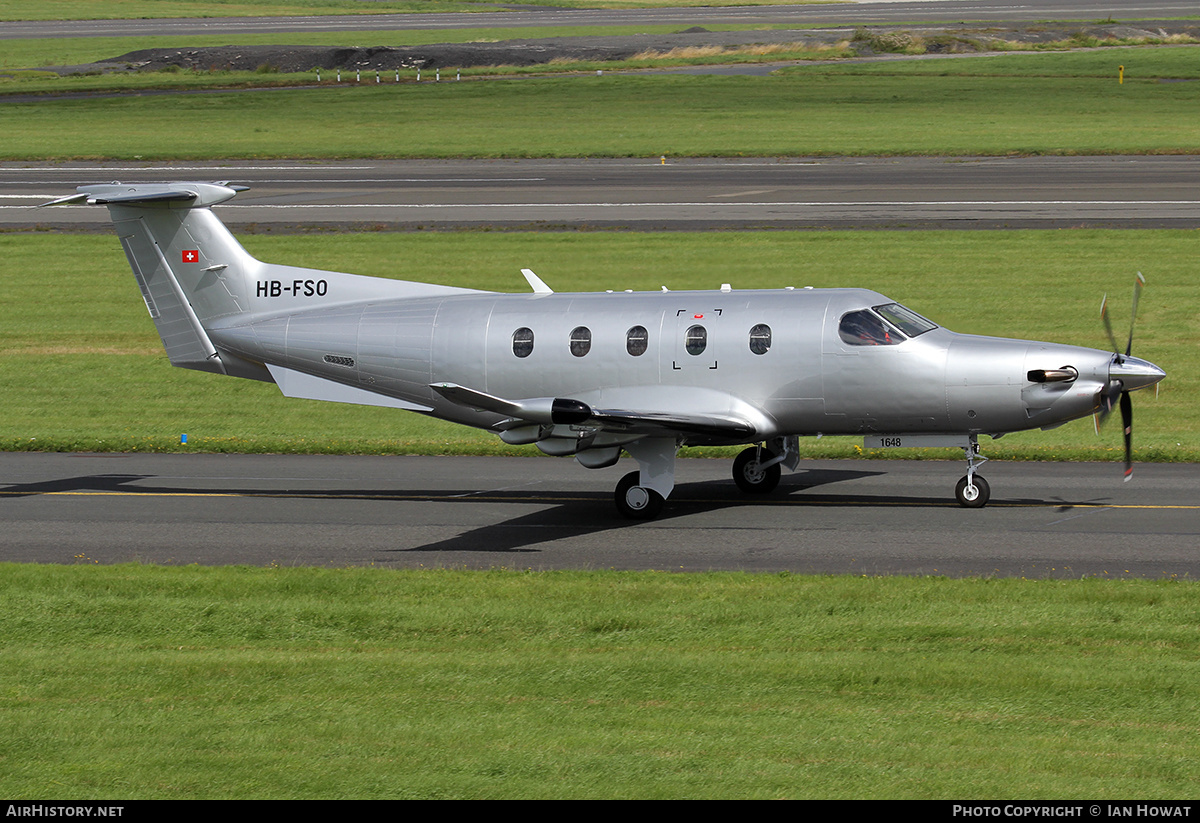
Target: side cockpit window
x=864 y=328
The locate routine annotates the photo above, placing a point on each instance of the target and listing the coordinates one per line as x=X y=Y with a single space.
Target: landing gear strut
x=973 y=492
x=640 y=494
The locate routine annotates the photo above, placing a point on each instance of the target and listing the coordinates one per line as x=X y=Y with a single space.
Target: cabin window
x=523 y=342
x=637 y=340
x=695 y=340
x=760 y=338
x=864 y=328
x=581 y=340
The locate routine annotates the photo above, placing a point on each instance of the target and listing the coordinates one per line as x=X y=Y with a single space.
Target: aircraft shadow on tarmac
x=560 y=515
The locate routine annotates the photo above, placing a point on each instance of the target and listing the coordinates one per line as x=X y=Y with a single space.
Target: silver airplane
x=592 y=375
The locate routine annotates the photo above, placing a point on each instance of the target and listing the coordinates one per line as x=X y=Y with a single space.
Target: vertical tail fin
x=197 y=279
x=189 y=268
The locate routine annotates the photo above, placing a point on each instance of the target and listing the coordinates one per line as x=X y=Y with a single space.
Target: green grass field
x=179 y=683
x=132 y=9
x=84 y=370
x=1012 y=104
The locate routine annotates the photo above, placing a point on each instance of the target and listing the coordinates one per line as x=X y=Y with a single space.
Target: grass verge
x=139 y=9
x=134 y=9
x=972 y=106
x=157 y=682
x=84 y=371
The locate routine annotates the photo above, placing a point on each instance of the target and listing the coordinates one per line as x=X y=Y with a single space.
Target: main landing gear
x=756 y=470
x=640 y=494
x=637 y=502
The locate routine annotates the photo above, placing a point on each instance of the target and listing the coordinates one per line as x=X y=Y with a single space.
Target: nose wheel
x=973 y=492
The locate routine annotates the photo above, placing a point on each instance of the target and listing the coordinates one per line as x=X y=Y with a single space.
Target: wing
x=563 y=411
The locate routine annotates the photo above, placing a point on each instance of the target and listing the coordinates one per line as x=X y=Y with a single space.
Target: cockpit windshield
x=867 y=327
x=907 y=320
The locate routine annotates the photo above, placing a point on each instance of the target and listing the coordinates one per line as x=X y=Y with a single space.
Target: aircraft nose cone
x=1134 y=373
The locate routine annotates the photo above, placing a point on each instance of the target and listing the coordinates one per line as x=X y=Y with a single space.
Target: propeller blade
x=1125 y=373
x=1112 y=339
x=1127 y=422
x=1137 y=292
x=1108 y=401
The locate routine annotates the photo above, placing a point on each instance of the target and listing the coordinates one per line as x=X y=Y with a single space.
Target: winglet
x=536 y=283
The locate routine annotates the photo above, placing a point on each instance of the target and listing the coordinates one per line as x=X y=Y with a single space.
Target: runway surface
x=1046 y=520
x=849 y=14
x=647 y=194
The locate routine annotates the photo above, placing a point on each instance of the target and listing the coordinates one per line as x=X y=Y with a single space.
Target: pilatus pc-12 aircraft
x=590 y=375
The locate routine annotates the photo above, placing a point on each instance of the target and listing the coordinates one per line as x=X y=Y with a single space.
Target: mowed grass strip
x=1063 y=110
x=158 y=682
x=133 y=9
x=84 y=369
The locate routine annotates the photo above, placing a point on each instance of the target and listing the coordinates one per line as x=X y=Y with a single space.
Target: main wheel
x=749 y=474
x=637 y=502
x=973 y=495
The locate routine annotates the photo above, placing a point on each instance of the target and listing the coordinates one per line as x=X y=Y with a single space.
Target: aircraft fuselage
x=775 y=358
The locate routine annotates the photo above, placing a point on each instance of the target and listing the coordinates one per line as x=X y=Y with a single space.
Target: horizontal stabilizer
x=64 y=201
x=194 y=195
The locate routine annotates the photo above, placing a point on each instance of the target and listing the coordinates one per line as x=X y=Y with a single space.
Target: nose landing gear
x=973 y=492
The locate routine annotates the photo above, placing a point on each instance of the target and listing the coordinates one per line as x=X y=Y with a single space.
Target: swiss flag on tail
x=191 y=255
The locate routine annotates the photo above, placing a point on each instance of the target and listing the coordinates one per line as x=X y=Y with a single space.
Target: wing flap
x=568 y=411
x=658 y=423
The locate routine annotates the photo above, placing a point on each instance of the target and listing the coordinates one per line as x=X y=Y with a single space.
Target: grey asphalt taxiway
x=653 y=193
x=1056 y=520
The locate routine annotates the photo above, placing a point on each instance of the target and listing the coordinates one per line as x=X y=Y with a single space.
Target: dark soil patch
x=276 y=58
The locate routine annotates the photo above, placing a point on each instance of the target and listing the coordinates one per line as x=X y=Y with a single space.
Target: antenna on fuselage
x=536 y=283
